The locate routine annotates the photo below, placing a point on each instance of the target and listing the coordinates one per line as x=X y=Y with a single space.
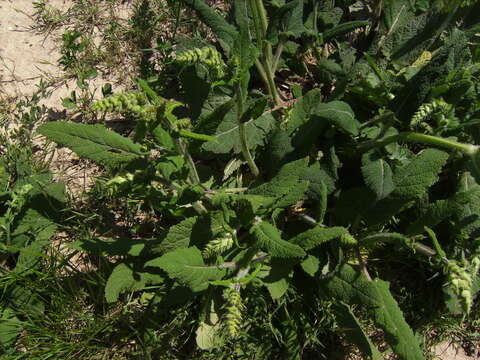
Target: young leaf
x=377 y=175
x=351 y=287
x=317 y=236
x=413 y=179
x=93 y=142
x=269 y=239
x=123 y=278
x=187 y=267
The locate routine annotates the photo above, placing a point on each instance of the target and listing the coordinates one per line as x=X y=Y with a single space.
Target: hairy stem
x=448 y=144
x=242 y=133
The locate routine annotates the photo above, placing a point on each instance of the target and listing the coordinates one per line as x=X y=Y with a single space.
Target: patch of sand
x=26 y=56
x=449 y=351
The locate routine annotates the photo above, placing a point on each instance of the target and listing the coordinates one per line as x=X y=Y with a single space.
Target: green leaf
x=178 y=235
x=208 y=336
x=343 y=28
x=93 y=142
x=317 y=236
x=394 y=12
x=225 y=32
x=10 y=327
x=351 y=287
x=285 y=189
x=187 y=267
x=302 y=110
x=340 y=115
x=254 y=109
x=228 y=138
x=413 y=179
x=377 y=175
x=123 y=278
x=352 y=328
x=276 y=276
x=439 y=211
x=196 y=136
x=310 y=265
x=269 y=239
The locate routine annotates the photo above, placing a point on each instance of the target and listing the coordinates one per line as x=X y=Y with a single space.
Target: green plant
x=380 y=159
x=30 y=202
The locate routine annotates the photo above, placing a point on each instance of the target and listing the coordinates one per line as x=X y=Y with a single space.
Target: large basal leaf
x=187 y=267
x=94 y=142
x=222 y=29
x=317 y=236
x=123 y=278
x=228 y=137
x=269 y=239
x=377 y=175
x=413 y=179
x=351 y=287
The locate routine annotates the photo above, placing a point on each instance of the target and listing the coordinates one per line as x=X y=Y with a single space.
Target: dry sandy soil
x=26 y=57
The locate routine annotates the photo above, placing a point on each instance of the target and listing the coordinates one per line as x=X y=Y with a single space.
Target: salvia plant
x=270 y=191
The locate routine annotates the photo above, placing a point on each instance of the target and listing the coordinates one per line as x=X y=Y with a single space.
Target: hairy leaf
x=269 y=239
x=187 y=267
x=93 y=142
x=285 y=189
x=123 y=278
x=352 y=287
x=222 y=29
x=413 y=179
x=338 y=114
x=317 y=236
x=228 y=138
x=377 y=175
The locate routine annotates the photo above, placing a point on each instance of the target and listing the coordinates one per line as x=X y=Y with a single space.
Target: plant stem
x=448 y=144
x=467 y=149
x=182 y=149
x=267 y=65
x=243 y=136
x=278 y=53
x=262 y=17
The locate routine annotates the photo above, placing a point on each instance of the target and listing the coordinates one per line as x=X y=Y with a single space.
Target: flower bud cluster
x=218 y=245
x=207 y=56
x=460 y=279
x=234 y=308
x=437 y=109
x=129 y=101
x=348 y=240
